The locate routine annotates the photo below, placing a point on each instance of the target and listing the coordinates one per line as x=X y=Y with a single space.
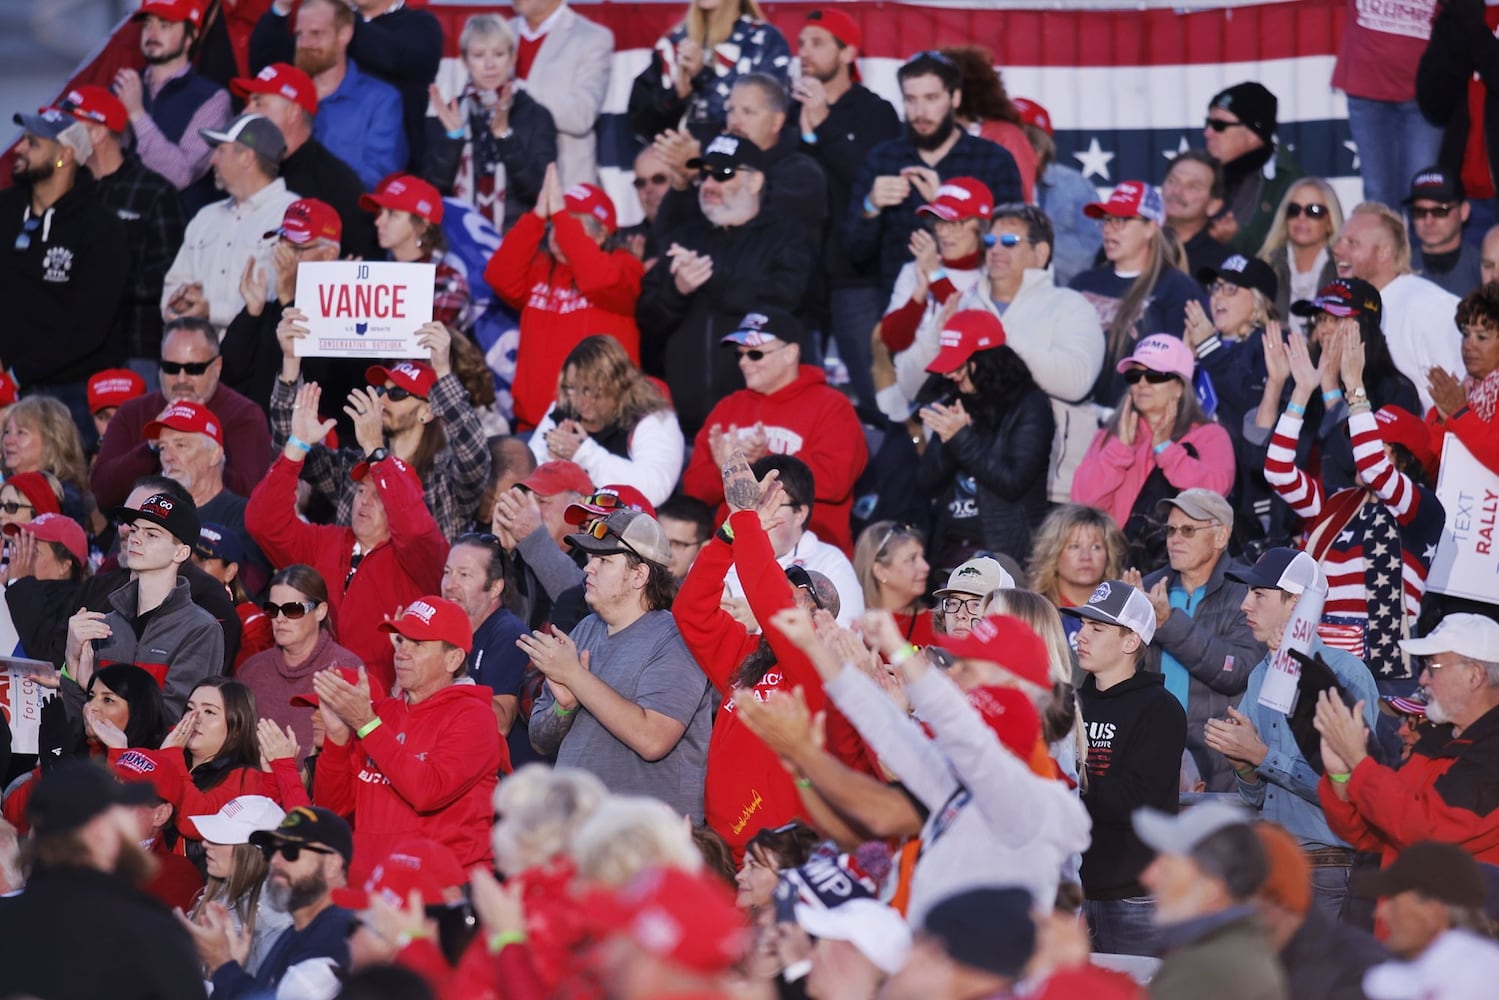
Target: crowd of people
x=889 y=570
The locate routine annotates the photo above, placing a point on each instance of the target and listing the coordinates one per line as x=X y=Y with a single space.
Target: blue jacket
x=320 y=947
x=360 y=123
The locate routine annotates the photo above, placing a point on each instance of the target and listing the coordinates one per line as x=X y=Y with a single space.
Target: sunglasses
x=31 y=225
x=290 y=851
x=756 y=354
x=13 y=507
x=952 y=605
x=1295 y=209
x=654 y=180
x=721 y=174
x=801 y=580
x=395 y=393
x=935 y=54
x=895 y=529
x=1435 y=212
x=1007 y=240
x=1188 y=530
x=604 y=502
x=1134 y=375
x=291 y=610
x=191 y=367
x=1219 y=125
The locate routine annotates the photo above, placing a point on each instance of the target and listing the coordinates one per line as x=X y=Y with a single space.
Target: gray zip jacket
x=179 y=634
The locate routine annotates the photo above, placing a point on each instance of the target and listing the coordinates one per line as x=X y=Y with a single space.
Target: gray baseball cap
x=625 y=530
x=252 y=131
x=1179 y=834
x=1200 y=505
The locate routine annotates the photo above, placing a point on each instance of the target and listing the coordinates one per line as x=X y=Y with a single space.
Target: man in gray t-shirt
x=624 y=699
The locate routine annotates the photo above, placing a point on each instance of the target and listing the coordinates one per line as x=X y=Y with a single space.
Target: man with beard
x=204 y=278
x=64 y=277
x=308 y=856
x=86 y=858
x=736 y=259
x=170 y=103
x=902 y=174
x=1449 y=788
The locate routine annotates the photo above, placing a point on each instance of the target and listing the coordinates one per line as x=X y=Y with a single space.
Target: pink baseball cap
x=1161 y=352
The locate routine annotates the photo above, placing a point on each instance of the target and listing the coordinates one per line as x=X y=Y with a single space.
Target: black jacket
x=764 y=262
x=38 y=607
x=1461 y=45
x=1009 y=471
x=526 y=152
x=1327 y=961
x=62 y=290
x=150 y=209
x=795 y=190
x=1136 y=734
x=313 y=172
x=138 y=951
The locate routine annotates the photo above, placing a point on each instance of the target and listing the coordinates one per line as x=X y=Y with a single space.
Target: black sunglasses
x=394 y=393
x=1294 y=209
x=14 y=507
x=721 y=174
x=290 y=851
x=802 y=580
x=1434 y=212
x=934 y=54
x=895 y=529
x=191 y=367
x=654 y=179
x=755 y=354
x=291 y=610
x=1219 y=125
x=1134 y=375
x=31 y=225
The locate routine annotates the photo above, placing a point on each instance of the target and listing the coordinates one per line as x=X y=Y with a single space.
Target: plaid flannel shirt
x=151 y=211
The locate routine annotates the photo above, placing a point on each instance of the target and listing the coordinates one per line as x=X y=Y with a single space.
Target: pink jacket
x=1113 y=473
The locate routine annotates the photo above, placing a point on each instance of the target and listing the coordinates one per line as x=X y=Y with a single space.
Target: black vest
x=172 y=109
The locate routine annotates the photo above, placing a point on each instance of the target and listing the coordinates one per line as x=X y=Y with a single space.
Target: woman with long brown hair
x=988 y=112
x=237 y=872
x=220 y=750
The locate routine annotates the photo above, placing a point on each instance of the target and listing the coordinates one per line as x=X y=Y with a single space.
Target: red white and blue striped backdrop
x=1126 y=88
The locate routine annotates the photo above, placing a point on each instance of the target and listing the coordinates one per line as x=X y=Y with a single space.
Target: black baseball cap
x=1280 y=568
x=766 y=326
x=1246 y=272
x=1442 y=872
x=75 y=791
x=1117 y=603
x=310 y=825
x=989 y=929
x=1342 y=297
x=180 y=517
x=1436 y=184
x=727 y=150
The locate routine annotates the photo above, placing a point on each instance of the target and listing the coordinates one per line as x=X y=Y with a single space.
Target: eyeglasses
x=721 y=174
x=1221 y=124
x=1435 y=212
x=1188 y=531
x=484 y=539
x=677 y=545
x=394 y=393
x=291 y=610
x=1225 y=288
x=23 y=238
x=290 y=851
x=1134 y=375
x=1008 y=240
x=13 y=507
x=1294 y=209
x=191 y=367
x=952 y=605
x=757 y=354
x=654 y=180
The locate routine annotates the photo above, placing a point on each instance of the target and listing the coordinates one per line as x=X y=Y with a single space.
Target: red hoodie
x=561 y=302
x=428 y=770
x=808 y=419
x=392 y=574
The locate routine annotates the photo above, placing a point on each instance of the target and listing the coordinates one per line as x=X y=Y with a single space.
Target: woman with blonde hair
x=611 y=421
x=40 y=436
x=1299 y=244
x=629 y=834
x=1076 y=548
x=694 y=67
x=537 y=811
x=890 y=562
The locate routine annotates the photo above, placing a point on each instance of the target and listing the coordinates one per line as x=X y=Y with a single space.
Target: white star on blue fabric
x=1095 y=162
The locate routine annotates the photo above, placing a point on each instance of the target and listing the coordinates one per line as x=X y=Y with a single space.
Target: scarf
x=316 y=660
x=488 y=170
x=1483 y=394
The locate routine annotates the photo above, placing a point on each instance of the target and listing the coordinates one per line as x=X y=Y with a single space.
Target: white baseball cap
x=1179 y=834
x=1117 y=603
x=239 y=818
x=878 y=931
x=1473 y=636
x=978 y=577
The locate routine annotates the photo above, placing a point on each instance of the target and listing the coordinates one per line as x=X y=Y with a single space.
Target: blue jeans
x=1123 y=926
x=1395 y=141
x=855 y=311
x=1330 y=889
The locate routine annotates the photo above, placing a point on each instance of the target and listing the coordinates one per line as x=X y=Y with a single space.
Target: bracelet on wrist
x=810 y=138
x=1296 y=409
x=1460 y=411
x=457 y=133
x=1340 y=779
x=902 y=655
x=803 y=783
x=497 y=941
x=870 y=208
x=1331 y=397
x=1157 y=449
x=292 y=441
x=561 y=712
x=368 y=727
x=726 y=533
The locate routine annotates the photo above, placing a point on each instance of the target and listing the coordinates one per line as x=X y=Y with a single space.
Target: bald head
x=1489 y=264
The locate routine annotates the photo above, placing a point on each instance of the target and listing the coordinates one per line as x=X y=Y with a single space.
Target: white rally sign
x=1467 y=562
x=1279 y=691
x=364 y=309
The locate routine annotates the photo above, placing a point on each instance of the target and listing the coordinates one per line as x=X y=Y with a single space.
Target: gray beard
x=289 y=897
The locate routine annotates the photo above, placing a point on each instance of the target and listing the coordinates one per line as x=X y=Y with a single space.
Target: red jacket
x=808 y=419
x=428 y=770
x=1448 y=790
x=177 y=882
x=391 y=575
x=1479 y=436
x=561 y=302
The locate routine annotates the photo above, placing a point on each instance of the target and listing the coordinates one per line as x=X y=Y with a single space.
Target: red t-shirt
x=1381 y=45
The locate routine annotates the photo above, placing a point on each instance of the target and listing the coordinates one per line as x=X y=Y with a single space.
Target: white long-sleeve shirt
x=1420 y=325
x=653 y=466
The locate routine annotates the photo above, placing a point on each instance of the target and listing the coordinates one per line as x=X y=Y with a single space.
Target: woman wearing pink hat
x=1158 y=443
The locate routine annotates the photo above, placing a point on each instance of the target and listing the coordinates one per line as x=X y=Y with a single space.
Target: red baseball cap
x=187 y=416
x=1011 y=715
x=363 y=469
x=54 y=527
x=160 y=769
x=350 y=674
x=1398 y=426
x=34 y=487
x=842 y=27
x=416 y=377
x=190 y=11
x=687 y=919
x=282 y=80
x=1128 y=200
x=429 y=618
x=1008 y=642
x=551 y=478
x=405 y=193
x=605 y=500
x=960 y=198
x=113 y=386
x=89 y=103
x=421 y=864
x=1032 y=113
x=965 y=334
x=9 y=391
x=308 y=219
x=588 y=199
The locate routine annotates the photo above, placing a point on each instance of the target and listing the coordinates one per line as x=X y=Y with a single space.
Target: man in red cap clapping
x=423 y=762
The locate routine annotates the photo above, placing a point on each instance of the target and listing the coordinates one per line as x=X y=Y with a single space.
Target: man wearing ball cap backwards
x=423 y=762
x=624 y=698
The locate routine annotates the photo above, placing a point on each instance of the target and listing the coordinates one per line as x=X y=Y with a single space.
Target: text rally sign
x=1467 y=562
x=364 y=309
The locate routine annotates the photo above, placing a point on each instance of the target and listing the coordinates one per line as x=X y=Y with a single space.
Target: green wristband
x=496 y=942
x=561 y=712
x=368 y=727
x=1341 y=779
